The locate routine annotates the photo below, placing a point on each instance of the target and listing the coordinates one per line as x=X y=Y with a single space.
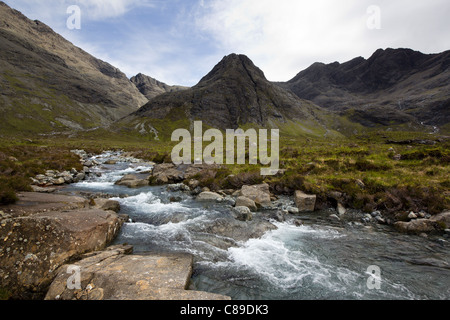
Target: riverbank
x=246 y=203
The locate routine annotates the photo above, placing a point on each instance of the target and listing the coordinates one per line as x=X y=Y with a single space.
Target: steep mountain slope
x=151 y=87
x=393 y=86
x=235 y=93
x=49 y=85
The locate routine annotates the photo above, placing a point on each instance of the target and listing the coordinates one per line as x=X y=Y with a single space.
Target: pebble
x=412 y=215
x=335 y=217
x=375 y=214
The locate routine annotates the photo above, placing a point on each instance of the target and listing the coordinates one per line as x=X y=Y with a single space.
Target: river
x=322 y=259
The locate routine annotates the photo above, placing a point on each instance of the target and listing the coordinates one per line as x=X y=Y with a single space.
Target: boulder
x=246 y=202
x=132 y=181
x=292 y=210
x=114 y=274
x=243 y=213
x=35 y=246
x=106 y=204
x=260 y=194
x=209 y=196
x=58 y=181
x=341 y=209
x=417 y=226
x=279 y=216
x=443 y=219
x=79 y=177
x=305 y=202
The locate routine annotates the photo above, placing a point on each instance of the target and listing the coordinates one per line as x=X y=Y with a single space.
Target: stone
x=360 y=184
x=88 y=163
x=305 y=202
x=111 y=161
x=380 y=220
x=335 y=217
x=298 y=222
x=243 y=213
x=412 y=215
x=292 y=210
x=417 y=226
x=58 y=181
x=227 y=200
x=106 y=204
x=375 y=214
x=279 y=216
x=341 y=209
x=79 y=177
x=442 y=218
x=33 y=202
x=209 y=196
x=50 y=239
x=42 y=190
x=192 y=183
x=115 y=274
x=132 y=181
x=246 y=202
x=166 y=173
x=178 y=187
x=260 y=194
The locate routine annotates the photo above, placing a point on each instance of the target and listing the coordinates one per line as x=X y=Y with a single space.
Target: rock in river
x=36 y=244
x=114 y=274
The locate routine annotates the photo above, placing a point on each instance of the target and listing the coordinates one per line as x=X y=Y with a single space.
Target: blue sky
x=179 y=41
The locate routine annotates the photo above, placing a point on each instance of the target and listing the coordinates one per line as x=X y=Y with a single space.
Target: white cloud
x=102 y=9
x=286 y=36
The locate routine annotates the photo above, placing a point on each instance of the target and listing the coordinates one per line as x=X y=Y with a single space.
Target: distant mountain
x=151 y=87
x=49 y=85
x=393 y=86
x=235 y=93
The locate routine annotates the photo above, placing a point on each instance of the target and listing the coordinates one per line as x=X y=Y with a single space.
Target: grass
x=419 y=181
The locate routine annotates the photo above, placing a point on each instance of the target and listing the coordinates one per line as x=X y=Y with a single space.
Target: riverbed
x=322 y=259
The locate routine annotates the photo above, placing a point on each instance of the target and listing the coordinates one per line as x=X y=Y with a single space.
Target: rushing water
x=320 y=260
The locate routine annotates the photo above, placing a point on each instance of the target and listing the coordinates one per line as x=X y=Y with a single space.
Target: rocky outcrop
x=305 y=202
x=234 y=93
x=114 y=274
x=392 y=86
x=40 y=237
x=151 y=87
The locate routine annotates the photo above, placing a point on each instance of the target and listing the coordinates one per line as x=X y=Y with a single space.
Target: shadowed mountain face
x=151 y=87
x=393 y=86
x=49 y=85
x=234 y=93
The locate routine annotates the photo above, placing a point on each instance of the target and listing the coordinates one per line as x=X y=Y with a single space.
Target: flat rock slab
x=115 y=275
x=33 y=202
x=35 y=246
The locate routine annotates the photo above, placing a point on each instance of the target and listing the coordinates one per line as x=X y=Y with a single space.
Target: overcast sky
x=179 y=41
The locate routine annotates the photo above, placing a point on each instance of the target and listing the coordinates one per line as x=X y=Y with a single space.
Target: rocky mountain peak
x=234 y=66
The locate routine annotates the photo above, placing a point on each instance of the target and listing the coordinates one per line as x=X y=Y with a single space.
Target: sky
x=180 y=41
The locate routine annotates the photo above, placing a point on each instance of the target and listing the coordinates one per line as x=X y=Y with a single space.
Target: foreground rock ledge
x=42 y=232
x=114 y=274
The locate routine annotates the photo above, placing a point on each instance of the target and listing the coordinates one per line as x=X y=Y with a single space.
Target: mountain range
x=393 y=86
x=50 y=86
